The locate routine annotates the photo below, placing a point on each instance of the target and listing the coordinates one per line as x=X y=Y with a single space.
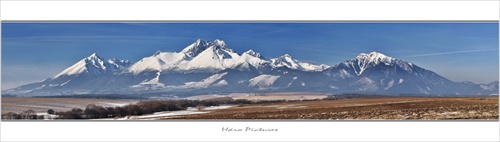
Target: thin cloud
x=447 y=53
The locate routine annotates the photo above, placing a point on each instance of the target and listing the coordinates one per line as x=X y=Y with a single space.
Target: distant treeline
x=8 y=96
x=28 y=114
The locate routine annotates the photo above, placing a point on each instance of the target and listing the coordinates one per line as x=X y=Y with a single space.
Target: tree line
x=28 y=114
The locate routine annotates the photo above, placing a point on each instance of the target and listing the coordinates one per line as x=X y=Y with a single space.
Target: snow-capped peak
x=199 y=46
x=364 y=61
x=253 y=53
x=374 y=57
x=95 y=61
x=204 y=56
x=220 y=43
x=94 y=65
x=157 y=53
x=93 y=55
x=287 y=61
x=196 y=48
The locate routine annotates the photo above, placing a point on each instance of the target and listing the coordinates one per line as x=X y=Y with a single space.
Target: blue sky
x=458 y=51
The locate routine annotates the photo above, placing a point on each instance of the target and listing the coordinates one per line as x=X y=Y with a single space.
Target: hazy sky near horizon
x=466 y=51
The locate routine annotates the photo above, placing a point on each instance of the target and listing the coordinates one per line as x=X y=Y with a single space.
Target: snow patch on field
x=189 y=111
x=172 y=113
x=217 y=107
x=118 y=104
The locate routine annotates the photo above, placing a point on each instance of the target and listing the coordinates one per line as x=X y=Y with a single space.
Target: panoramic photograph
x=250 y=71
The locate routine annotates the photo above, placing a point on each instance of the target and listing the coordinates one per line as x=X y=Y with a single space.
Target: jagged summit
x=253 y=53
x=374 y=57
x=220 y=47
x=94 y=65
x=219 y=43
x=196 y=48
x=157 y=53
x=285 y=61
x=365 y=61
x=199 y=46
x=93 y=55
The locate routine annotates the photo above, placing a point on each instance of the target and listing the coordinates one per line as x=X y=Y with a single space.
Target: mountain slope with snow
x=212 y=67
x=384 y=74
x=287 y=61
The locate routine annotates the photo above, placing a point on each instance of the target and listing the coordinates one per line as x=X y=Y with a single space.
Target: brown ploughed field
x=393 y=108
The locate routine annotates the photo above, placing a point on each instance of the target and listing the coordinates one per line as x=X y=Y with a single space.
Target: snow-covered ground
x=158 y=115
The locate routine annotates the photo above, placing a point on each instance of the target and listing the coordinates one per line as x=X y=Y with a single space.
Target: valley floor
x=395 y=108
x=382 y=108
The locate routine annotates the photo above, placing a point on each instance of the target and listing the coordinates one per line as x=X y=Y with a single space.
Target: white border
x=250 y=10
x=287 y=131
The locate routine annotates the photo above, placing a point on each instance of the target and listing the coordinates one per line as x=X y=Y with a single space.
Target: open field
x=41 y=105
x=381 y=108
x=397 y=108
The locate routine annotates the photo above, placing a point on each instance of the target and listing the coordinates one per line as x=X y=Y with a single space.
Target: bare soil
x=397 y=108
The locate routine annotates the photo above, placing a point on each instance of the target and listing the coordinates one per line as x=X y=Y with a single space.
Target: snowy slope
x=263 y=80
x=158 y=62
x=94 y=66
x=85 y=76
x=378 y=73
x=204 y=56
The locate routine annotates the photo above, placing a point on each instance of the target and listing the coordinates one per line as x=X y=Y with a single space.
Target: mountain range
x=212 y=67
